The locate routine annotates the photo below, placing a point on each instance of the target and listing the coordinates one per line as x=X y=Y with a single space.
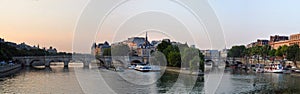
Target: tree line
x=175 y=55
x=7 y=52
x=181 y=55
x=291 y=53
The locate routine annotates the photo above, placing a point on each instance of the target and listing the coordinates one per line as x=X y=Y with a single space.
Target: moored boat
x=143 y=68
x=259 y=68
x=274 y=68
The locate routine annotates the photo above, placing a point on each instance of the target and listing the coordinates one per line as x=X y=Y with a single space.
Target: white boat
x=274 y=68
x=131 y=67
x=143 y=68
x=297 y=71
x=259 y=68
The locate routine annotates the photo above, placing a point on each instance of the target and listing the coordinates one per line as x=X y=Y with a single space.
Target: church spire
x=146 y=44
x=146 y=36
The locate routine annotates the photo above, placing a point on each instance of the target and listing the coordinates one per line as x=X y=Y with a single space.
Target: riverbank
x=9 y=70
x=183 y=71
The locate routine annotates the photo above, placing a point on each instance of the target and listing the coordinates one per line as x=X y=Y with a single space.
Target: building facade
x=294 y=39
x=98 y=49
x=277 y=38
x=52 y=50
x=259 y=42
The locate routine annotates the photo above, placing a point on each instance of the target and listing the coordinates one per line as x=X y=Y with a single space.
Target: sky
x=53 y=22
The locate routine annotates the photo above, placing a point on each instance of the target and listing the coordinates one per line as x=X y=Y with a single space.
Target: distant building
x=294 y=39
x=35 y=47
x=251 y=45
x=210 y=54
x=277 y=38
x=99 y=49
x=193 y=46
x=146 y=48
x=143 y=52
x=262 y=42
x=11 y=44
x=2 y=40
x=139 y=46
x=224 y=52
x=259 y=42
x=52 y=50
x=135 y=42
x=24 y=46
x=155 y=43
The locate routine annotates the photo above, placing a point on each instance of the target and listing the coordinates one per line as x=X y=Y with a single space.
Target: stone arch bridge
x=214 y=61
x=107 y=61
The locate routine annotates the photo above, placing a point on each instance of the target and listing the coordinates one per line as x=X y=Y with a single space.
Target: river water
x=94 y=80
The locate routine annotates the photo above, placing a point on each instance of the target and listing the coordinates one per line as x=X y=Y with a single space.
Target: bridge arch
x=48 y=62
x=118 y=63
x=210 y=62
x=134 y=62
x=32 y=61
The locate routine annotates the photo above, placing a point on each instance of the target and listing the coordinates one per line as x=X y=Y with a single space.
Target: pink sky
x=52 y=22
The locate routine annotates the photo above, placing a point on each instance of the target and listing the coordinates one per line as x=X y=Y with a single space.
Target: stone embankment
x=10 y=69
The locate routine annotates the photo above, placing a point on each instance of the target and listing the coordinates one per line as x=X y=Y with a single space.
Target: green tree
x=265 y=51
x=281 y=51
x=272 y=52
x=107 y=52
x=120 y=50
x=169 y=49
x=293 y=53
x=174 y=59
x=237 y=51
x=257 y=51
x=194 y=63
x=188 y=54
x=162 y=46
x=201 y=60
x=158 y=58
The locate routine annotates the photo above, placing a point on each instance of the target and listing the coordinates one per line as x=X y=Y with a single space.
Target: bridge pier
x=27 y=62
x=66 y=64
x=47 y=63
x=86 y=64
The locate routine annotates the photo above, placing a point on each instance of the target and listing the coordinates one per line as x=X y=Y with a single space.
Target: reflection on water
x=241 y=82
x=42 y=80
x=58 y=80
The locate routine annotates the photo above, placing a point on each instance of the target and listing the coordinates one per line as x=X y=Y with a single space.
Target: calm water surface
x=78 y=80
x=258 y=83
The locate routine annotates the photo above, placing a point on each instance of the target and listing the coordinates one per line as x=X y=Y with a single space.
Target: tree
x=194 y=63
x=158 y=58
x=107 y=52
x=257 y=51
x=272 y=52
x=293 y=53
x=265 y=51
x=237 y=51
x=120 y=50
x=174 y=59
x=188 y=54
x=169 y=49
x=162 y=46
x=281 y=51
